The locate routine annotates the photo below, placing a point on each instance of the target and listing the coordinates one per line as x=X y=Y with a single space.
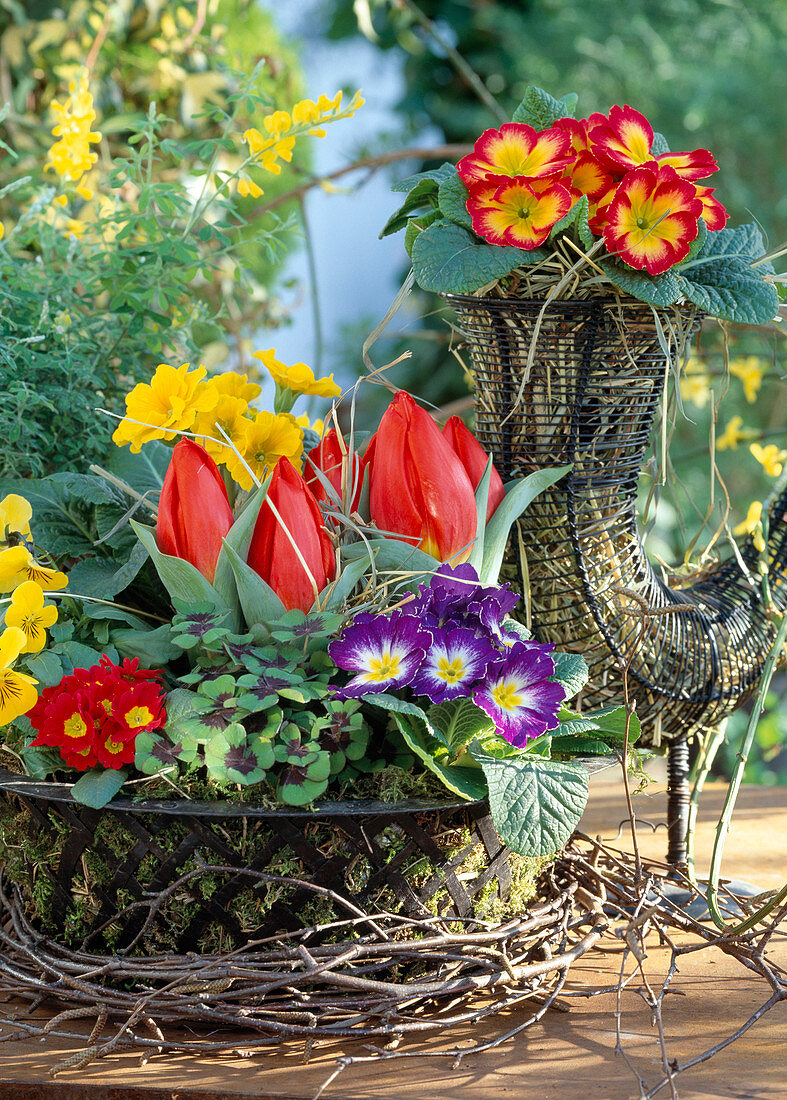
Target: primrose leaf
x=98 y=787
x=449 y=260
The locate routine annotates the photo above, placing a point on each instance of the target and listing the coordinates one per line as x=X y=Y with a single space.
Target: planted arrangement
x=332 y=621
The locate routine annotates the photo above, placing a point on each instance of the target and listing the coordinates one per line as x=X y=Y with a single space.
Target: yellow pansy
x=770 y=458
x=268 y=438
x=750 y=371
x=695 y=383
x=31 y=615
x=169 y=404
x=18 y=694
x=18 y=565
x=752 y=525
x=299 y=378
x=733 y=433
x=15 y=516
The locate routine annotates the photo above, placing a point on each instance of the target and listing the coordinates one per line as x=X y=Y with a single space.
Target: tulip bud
x=194 y=513
x=296 y=520
x=418 y=488
x=474 y=459
x=338 y=464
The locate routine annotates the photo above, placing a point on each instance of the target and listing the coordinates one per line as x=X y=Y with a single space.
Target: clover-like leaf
x=232 y=757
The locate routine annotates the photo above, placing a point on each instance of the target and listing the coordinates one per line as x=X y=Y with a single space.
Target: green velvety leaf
x=75 y=655
x=611 y=723
x=535 y=804
x=457 y=722
x=452 y=198
x=181 y=579
x=730 y=290
x=540 y=110
x=412 y=723
x=434 y=174
x=571 y=670
x=145 y=471
x=449 y=260
x=424 y=194
x=660 y=144
x=41 y=762
x=518 y=496
x=657 y=290
x=258 y=602
x=98 y=787
x=153 y=647
x=416 y=225
x=572 y=746
x=46 y=668
x=578 y=216
x=103 y=578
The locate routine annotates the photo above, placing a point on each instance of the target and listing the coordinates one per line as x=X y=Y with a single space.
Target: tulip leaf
x=481 y=501
x=336 y=594
x=239 y=539
x=392 y=555
x=181 y=579
x=449 y=260
x=519 y=494
x=258 y=602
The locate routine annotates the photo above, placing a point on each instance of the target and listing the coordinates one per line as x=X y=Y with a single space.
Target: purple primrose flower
x=518 y=694
x=455 y=595
x=384 y=651
x=455 y=661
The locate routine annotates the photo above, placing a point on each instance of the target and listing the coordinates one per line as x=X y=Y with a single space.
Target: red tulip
x=194 y=513
x=418 y=487
x=340 y=466
x=272 y=554
x=474 y=459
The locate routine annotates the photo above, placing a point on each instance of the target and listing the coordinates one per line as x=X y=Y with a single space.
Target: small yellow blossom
x=15 y=516
x=733 y=433
x=268 y=437
x=61 y=200
x=29 y=612
x=71 y=156
x=750 y=370
x=168 y=405
x=770 y=458
x=695 y=383
x=247 y=188
x=18 y=693
x=752 y=525
x=299 y=378
x=283 y=127
x=18 y=565
x=317 y=426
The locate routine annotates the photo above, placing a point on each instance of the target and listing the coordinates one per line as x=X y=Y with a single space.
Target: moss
x=27 y=851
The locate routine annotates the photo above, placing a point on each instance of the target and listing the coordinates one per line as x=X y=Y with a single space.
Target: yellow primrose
x=733 y=433
x=750 y=371
x=235 y=385
x=31 y=615
x=751 y=525
x=695 y=383
x=230 y=413
x=18 y=694
x=770 y=458
x=15 y=516
x=298 y=377
x=168 y=405
x=18 y=565
x=268 y=438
